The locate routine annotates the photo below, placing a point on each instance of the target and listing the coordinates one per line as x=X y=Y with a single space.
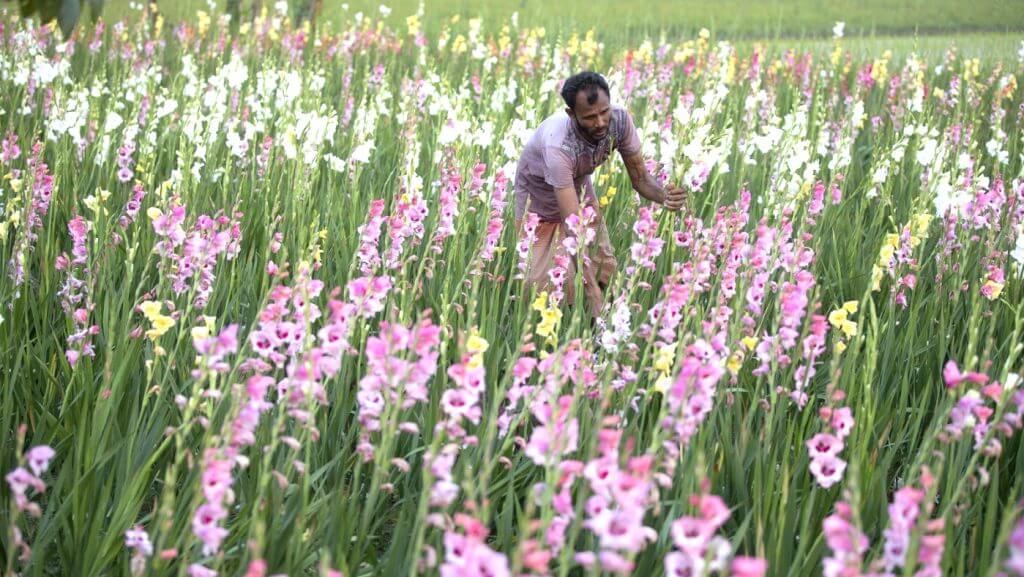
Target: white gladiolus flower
x=361 y=153
x=1012 y=380
x=484 y=136
x=994 y=147
x=1017 y=254
x=236 y=72
x=926 y=154
x=880 y=175
x=166 y=108
x=113 y=121
x=948 y=197
x=452 y=130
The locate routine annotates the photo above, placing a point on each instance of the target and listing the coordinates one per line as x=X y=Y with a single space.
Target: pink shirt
x=558 y=156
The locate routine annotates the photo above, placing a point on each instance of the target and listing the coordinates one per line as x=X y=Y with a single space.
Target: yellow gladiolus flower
x=551 y=316
x=200 y=333
x=162 y=323
x=992 y=290
x=921 y=223
x=886 y=253
x=734 y=363
x=202 y=22
x=662 y=384
x=413 y=23
x=476 y=344
x=540 y=303
x=837 y=317
x=151 y=309
x=849 y=328
x=876 y=278
x=665 y=358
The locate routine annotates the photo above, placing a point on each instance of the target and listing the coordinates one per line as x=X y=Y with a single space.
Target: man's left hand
x=675 y=198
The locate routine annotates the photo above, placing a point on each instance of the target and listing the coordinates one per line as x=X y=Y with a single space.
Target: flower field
x=262 y=308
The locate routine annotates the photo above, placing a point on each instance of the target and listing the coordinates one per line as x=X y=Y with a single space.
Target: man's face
x=592 y=119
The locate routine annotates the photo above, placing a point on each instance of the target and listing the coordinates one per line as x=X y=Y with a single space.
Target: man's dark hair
x=587 y=81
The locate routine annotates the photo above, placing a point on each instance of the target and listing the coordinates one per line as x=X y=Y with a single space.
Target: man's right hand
x=675 y=198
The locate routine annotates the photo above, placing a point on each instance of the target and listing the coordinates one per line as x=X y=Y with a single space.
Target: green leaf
x=95 y=9
x=47 y=9
x=27 y=7
x=67 y=17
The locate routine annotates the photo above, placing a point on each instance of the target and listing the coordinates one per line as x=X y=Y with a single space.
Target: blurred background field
x=984 y=28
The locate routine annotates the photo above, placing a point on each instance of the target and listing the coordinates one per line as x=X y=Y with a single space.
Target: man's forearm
x=649 y=188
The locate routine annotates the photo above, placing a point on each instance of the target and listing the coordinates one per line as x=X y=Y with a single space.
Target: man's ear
x=570 y=112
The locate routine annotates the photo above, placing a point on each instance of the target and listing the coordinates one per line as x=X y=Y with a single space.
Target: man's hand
x=675 y=198
x=671 y=197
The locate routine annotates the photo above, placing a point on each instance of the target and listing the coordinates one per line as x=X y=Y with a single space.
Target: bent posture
x=553 y=181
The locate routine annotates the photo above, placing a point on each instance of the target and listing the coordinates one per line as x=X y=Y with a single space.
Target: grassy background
x=983 y=28
x=732 y=18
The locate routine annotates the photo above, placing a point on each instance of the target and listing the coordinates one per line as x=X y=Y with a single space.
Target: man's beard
x=591 y=135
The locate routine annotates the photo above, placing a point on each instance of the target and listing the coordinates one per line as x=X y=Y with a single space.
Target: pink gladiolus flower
x=714 y=510
x=842 y=422
x=678 y=564
x=846 y=541
x=824 y=445
x=749 y=566
x=206 y=526
x=457 y=404
x=257 y=568
x=621 y=529
x=692 y=535
x=828 y=470
x=9 y=149
x=1015 y=559
x=614 y=562
x=138 y=540
x=197 y=570
x=954 y=378
x=468 y=556
x=38 y=458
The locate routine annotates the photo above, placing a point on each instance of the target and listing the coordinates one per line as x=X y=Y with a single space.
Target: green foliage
x=132 y=426
x=66 y=12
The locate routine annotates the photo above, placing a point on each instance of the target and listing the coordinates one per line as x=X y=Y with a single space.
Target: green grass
x=728 y=18
x=991 y=29
x=987 y=46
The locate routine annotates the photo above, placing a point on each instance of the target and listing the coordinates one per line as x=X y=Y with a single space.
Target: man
x=553 y=178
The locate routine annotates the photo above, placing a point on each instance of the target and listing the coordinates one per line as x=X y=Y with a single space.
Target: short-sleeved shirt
x=558 y=156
